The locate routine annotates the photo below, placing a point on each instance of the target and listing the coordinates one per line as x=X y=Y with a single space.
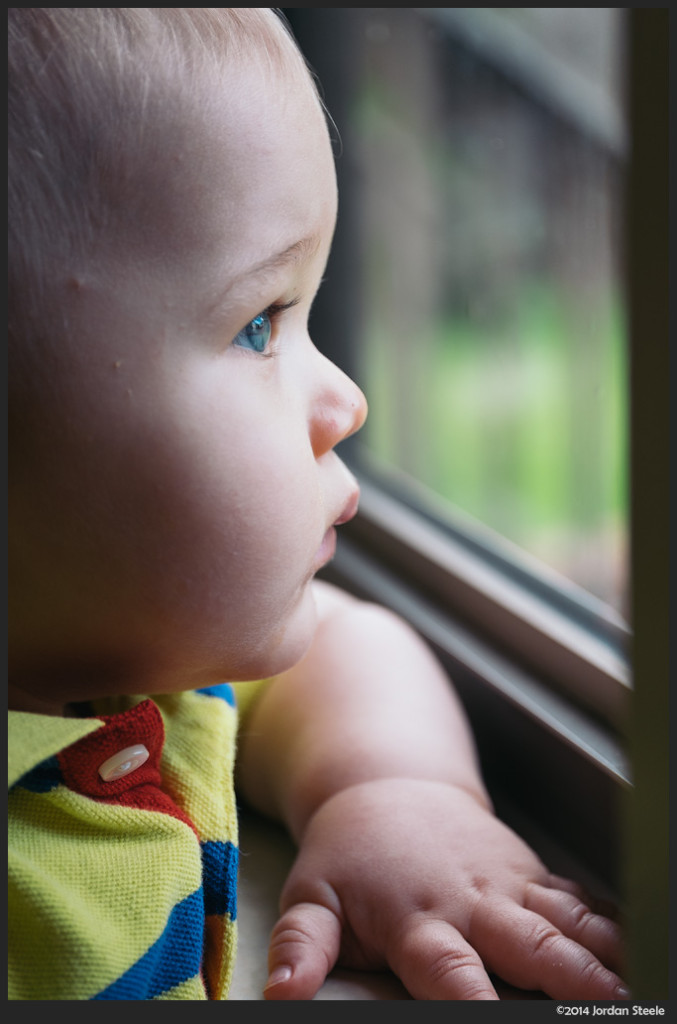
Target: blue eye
x=256 y=335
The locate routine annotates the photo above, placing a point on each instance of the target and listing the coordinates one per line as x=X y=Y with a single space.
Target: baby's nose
x=340 y=409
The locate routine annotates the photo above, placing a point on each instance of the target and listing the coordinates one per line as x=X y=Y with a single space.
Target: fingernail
x=280 y=974
x=622 y=992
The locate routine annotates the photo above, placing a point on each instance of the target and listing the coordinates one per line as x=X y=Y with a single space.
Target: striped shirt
x=123 y=886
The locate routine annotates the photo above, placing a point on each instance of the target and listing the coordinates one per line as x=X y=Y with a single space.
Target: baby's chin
x=273 y=653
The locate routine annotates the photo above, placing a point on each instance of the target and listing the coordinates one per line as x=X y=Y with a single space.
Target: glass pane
x=490 y=151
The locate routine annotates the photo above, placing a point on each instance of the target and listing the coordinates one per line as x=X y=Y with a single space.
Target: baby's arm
x=364 y=752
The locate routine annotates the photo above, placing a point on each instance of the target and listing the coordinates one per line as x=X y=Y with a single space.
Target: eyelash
x=272 y=313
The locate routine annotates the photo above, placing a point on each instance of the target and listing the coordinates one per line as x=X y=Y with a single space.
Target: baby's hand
x=418 y=877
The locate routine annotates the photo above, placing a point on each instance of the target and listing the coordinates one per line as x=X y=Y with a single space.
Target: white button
x=124 y=762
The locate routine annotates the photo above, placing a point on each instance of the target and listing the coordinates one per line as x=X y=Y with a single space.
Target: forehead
x=247 y=166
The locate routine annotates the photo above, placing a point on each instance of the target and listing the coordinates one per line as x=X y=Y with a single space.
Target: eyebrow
x=298 y=251
x=294 y=253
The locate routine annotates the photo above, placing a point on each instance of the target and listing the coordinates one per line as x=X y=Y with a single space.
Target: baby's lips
x=349 y=509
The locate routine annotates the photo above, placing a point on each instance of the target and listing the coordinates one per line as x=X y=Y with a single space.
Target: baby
x=173 y=492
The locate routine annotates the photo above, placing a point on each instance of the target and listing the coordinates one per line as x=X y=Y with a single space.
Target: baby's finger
x=574 y=918
x=433 y=961
x=596 y=904
x=535 y=955
x=567 y=885
x=304 y=947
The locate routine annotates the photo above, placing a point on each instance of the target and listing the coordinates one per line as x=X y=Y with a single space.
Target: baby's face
x=192 y=493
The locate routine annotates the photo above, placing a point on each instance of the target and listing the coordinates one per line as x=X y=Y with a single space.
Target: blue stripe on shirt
x=222 y=690
x=43 y=777
x=219 y=873
x=173 y=959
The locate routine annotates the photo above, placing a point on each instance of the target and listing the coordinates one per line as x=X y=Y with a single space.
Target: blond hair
x=92 y=93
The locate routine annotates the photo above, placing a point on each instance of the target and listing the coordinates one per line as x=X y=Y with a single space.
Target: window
x=477 y=291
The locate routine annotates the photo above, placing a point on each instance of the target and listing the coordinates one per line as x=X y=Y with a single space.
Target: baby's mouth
x=349 y=509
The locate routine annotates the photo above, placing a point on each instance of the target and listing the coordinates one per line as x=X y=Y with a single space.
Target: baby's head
x=173 y=483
